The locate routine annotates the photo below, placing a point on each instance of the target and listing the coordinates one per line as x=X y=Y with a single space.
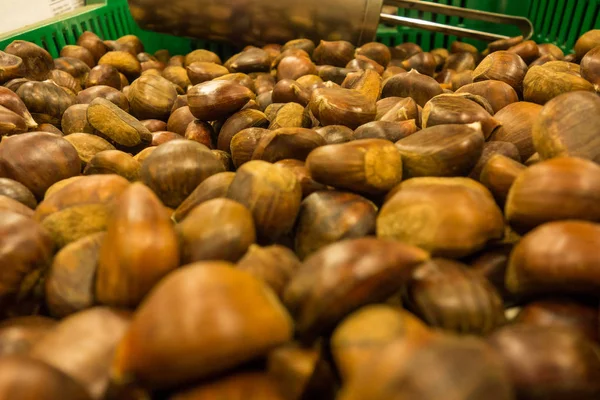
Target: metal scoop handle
x=524 y=25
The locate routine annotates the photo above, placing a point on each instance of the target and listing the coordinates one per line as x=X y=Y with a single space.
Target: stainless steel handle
x=524 y=25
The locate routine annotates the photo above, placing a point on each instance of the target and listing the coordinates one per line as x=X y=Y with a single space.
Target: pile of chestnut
x=307 y=221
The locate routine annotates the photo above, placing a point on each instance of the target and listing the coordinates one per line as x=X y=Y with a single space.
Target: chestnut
x=476 y=219
x=256 y=323
x=353 y=272
x=217 y=229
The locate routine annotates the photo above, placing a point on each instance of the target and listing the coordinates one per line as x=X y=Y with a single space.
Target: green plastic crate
x=556 y=21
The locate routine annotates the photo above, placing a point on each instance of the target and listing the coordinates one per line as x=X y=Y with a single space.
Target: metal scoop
x=259 y=22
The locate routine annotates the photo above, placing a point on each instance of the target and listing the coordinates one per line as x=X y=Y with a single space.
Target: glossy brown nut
x=79 y=52
x=154 y=125
x=113 y=162
x=46 y=101
x=224 y=158
x=504 y=44
x=11 y=123
x=179 y=120
x=9 y=204
x=214 y=100
x=151 y=97
x=257 y=323
x=271 y=192
x=18 y=192
x=423 y=63
x=69 y=286
x=460 y=79
x=264 y=82
x=287 y=143
x=551 y=49
x=203 y=56
x=460 y=62
x=11 y=67
x=489 y=150
x=448 y=295
x=290 y=115
x=199 y=72
x=517 y=120
x=34 y=379
x=557 y=189
x=327 y=217
x=442 y=150
x=67 y=347
x=136 y=252
x=367 y=331
x=12 y=102
x=548 y=363
x=116 y=125
x=124 y=62
x=542 y=85
x=587 y=42
x=246 y=385
x=568 y=126
x=398 y=109
x=502 y=66
x=201 y=132
x=173 y=182
x=413 y=212
x=498 y=94
x=287 y=90
x=527 y=50
x=466 y=367
x=275 y=265
x=364 y=63
x=103 y=75
x=409 y=49
x=161 y=137
x=74 y=120
x=384 y=267
x=336 y=53
x=213 y=187
x=178 y=76
x=377 y=52
x=93 y=43
x=309 y=185
x=391 y=71
x=302 y=372
x=337 y=106
x=105 y=92
x=370 y=166
x=37 y=160
x=50 y=129
x=498 y=175
x=244 y=143
x=88 y=145
x=236 y=123
x=239 y=78
x=537 y=265
x=336 y=134
x=26 y=250
x=421 y=88
x=456 y=109
x=36 y=60
x=216 y=230
x=562 y=312
x=74 y=66
x=333 y=74
x=293 y=67
x=19 y=334
x=590 y=66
